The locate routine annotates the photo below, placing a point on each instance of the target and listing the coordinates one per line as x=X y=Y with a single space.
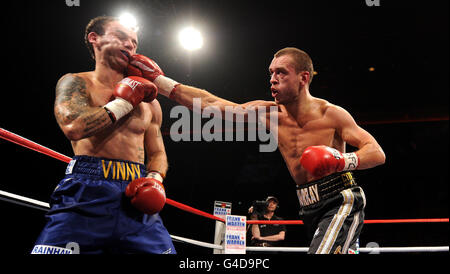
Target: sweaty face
x=116 y=45
x=284 y=80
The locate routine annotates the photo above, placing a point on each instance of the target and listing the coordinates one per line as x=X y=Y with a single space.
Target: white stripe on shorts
x=336 y=224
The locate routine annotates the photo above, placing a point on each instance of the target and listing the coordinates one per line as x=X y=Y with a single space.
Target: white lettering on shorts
x=308 y=195
x=48 y=249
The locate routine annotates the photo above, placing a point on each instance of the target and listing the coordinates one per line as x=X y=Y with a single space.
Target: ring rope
x=380 y=221
x=19 y=140
x=14 y=138
x=195 y=242
x=21 y=200
x=305 y=249
x=361 y=249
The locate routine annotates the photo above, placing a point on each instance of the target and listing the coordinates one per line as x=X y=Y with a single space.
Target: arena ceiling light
x=190 y=38
x=129 y=21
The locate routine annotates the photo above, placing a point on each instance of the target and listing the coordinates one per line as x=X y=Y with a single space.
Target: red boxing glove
x=322 y=160
x=135 y=89
x=129 y=93
x=147 y=194
x=143 y=66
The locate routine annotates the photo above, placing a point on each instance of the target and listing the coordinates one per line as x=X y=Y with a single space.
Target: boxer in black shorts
x=312 y=134
x=334 y=213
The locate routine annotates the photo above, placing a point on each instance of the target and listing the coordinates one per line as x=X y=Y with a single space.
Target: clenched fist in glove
x=147 y=194
x=129 y=92
x=322 y=160
x=143 y=66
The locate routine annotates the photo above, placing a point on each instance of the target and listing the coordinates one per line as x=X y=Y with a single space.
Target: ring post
x=221 y=210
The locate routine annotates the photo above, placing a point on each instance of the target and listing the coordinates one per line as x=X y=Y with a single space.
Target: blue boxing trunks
x=90 y=213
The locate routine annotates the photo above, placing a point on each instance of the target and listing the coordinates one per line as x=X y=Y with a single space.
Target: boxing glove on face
x=146 y=194
x=143 y=66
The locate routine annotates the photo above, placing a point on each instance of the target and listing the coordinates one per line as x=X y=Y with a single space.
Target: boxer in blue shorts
x=109 y=200
x=90 y=213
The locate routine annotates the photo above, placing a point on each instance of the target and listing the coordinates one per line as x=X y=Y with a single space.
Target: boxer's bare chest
x=134 y=123
x=295 y=136
x=122 y=140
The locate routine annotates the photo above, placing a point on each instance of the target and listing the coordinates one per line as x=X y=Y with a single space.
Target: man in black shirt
x=264 y=234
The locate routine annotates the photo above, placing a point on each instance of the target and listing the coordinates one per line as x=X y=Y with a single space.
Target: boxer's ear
x=304 y=77
x=92 y=37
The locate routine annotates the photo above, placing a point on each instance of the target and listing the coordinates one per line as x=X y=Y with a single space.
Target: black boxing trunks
x=332 y=209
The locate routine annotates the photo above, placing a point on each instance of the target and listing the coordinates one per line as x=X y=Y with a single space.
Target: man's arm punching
x=145 y=67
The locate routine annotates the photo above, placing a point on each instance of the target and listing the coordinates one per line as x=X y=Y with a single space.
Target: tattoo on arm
x=141 y=154
x=96 y=122
x=71 y=98
x=72 y=105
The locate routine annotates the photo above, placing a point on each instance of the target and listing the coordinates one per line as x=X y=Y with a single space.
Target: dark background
x=403 y=103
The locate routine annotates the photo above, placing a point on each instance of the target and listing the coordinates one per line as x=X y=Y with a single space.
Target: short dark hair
x=302 y=61
x=96 y=25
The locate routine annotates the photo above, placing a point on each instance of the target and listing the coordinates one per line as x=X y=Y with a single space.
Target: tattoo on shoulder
x=71 y=98
x=70 y=86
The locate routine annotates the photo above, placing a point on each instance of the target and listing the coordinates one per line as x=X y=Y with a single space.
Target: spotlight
x=190 y=38
x=128 y=21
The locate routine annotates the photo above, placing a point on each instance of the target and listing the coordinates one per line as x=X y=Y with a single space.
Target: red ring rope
x=14 y=138
x=385 y=221
x=9 y=136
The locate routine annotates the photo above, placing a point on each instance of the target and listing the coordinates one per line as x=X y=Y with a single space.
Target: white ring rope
x=28 y=202
x=361 y=249
x=21 y=200
x=195 y=242
x=405 y=249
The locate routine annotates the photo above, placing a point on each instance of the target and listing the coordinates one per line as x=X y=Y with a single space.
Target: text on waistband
x=308 y=195
x=120 y=170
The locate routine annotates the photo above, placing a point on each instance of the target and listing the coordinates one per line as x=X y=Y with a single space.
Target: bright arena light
x=190 y=38
x=129 y=21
